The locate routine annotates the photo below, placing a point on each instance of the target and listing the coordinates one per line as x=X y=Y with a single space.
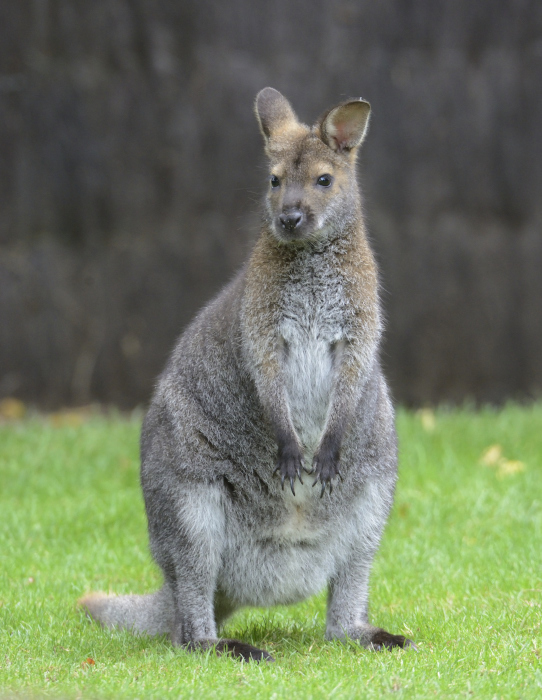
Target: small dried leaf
x=403 y=509
x=509 y=467
x=12 y=409
x=71 y=419
x=491 y=456
x=428 y=420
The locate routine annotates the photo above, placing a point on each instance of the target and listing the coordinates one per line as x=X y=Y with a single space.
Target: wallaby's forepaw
x=325 y=466
x=289 y=465
x=381 y=639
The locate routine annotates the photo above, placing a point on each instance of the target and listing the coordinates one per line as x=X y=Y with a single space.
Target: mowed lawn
x=459 y=571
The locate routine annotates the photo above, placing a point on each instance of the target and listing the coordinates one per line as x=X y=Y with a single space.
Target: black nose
x=291 y=220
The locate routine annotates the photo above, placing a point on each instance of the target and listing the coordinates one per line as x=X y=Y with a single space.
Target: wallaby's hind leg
x=348 y=599
x=223 y=609
x=190 y=556
x=347 y=614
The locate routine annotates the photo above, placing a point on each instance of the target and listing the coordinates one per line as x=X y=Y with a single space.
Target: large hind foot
x=380 y=639
x=239 y=650
x=243 y=651
x=371 y=637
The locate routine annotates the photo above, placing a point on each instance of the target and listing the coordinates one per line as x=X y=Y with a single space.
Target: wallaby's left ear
x=344 y=127
x=274 y=113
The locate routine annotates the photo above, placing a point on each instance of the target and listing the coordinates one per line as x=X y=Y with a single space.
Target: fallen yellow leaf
x=427 y=418
x=66 y=418
x=12 y=409
x=508 y=467
x=492 y=456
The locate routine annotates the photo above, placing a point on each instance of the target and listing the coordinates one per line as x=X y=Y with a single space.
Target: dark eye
x=324 y=180
x=275 y=182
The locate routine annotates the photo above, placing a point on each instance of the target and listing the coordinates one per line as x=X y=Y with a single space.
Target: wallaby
x=278 y=376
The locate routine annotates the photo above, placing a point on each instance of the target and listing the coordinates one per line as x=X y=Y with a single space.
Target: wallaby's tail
x=150 y=614
x=153 y=614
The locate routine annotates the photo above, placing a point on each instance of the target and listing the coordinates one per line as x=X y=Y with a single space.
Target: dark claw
x=289 y=466
x=324 y=484
x=325 y=468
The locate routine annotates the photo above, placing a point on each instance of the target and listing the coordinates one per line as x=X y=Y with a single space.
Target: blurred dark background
x=131 y=173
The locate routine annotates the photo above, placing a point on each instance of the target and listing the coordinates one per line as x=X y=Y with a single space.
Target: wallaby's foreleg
x=351 y=375
x=272 y=392
x=348 y=595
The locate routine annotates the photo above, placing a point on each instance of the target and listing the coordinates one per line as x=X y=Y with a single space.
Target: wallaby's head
x=313 y=191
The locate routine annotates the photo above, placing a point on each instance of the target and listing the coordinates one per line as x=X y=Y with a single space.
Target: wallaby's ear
x=344 y=127
x=273 y=112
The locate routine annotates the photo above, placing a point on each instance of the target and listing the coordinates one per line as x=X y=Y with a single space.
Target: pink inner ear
x=341 y=135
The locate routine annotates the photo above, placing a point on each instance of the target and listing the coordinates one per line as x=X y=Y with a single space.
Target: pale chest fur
x=311 y=331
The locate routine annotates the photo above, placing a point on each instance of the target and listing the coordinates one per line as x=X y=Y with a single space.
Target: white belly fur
x=273 y=571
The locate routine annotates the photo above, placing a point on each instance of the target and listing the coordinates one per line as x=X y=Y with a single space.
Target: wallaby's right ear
x=344 y=127
x=274 y=113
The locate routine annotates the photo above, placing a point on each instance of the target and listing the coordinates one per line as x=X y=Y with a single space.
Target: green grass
x=459 y=571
